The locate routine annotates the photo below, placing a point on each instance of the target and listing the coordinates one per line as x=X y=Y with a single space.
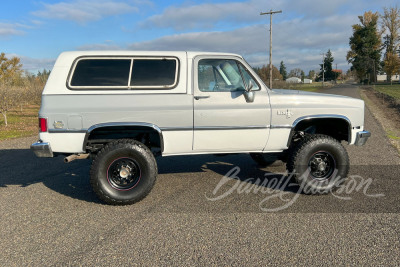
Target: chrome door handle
x=201 y=97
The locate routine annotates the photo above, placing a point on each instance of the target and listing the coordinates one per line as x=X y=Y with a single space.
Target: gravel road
x=50 y=216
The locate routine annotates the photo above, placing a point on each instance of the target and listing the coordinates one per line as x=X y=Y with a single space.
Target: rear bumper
x=42 y=150
x=362 y=137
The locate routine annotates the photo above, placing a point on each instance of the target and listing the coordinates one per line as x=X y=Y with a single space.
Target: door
x=223 y=120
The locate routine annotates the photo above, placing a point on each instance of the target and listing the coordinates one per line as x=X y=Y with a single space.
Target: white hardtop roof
x=66 y=58
x=134 y=52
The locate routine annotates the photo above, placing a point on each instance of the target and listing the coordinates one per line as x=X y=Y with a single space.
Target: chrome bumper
x=42 y=150
x=362 y=138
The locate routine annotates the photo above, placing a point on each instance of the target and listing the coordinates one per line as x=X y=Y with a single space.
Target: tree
x=365 y=47
x=296 y=72
x=350 y=74
x=10 y=70
x=391 y=25
x=326 y=68
x=10 y=75
x=303 y=75
x=35 y=85
x=263 y=73
x=391 y=65
x=311 y=74
x=282 y=71
x=43 y=76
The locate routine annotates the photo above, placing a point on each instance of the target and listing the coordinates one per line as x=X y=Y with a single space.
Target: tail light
x=42 y=125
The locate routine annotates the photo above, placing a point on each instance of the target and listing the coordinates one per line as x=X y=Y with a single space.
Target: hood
x=301 y=103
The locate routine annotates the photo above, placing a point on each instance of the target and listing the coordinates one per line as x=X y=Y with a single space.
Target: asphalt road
x=50 y=216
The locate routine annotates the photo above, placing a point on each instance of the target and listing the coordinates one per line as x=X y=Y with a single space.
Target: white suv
x=123 y=108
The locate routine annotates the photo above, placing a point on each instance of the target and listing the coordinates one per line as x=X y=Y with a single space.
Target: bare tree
x=10 y=75
x=34 y=85
x=391 y=26
x=296 y=72
x=391 y=65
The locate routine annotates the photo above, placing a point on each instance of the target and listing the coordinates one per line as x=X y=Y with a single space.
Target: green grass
x=313 y=87
x=392 y=135
x=20 y=123
x=391 y=90
x=309 y=87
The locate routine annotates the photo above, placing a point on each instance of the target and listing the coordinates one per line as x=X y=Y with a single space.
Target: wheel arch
x=121 y=130
x=337 y=126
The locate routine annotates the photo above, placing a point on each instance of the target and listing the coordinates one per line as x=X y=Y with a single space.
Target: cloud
x=204 y=15
x=246 y=39
x=250 y=42
x=9 y=29
x=311 y=33
x=35 y=64
x=317 y=8
x=107 y=45
x=304 y=31
x=83 y=11
x=209 y=15
x=298 y=41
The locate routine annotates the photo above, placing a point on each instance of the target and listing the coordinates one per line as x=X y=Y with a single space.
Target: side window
x=247 y=77
x=219 y=75
x=124 y=73
x=154 y=72
x=101 y=72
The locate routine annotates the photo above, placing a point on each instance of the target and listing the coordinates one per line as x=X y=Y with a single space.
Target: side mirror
x=248 y=94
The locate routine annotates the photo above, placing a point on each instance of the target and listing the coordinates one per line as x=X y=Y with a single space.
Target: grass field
x=313 y=87
x=20 y=123
x=391 y=90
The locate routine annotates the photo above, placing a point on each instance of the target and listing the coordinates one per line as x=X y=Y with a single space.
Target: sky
x=37 y=31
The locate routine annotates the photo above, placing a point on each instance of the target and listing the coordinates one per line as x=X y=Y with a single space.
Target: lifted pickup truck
x=123 y=108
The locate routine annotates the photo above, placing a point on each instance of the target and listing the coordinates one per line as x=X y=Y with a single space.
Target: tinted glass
x=219 y=75
x=153 y=72
x=101 y=72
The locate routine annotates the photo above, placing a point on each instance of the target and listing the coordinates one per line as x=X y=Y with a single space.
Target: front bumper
x=42 y=150
x=362 y=138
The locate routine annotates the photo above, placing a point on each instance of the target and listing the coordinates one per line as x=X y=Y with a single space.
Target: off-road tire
x=319 y=164
x=123 y=172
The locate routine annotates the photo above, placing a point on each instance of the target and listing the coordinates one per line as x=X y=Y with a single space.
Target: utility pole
x=323 y=69
x=336 y=74
x=270 y=13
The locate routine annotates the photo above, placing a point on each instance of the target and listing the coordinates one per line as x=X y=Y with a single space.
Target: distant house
x=293 y=80
x=307 y=81
x=383 y=78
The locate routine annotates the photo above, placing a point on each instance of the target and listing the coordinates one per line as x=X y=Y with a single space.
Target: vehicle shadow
x=20 y=167
x=236 y=166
